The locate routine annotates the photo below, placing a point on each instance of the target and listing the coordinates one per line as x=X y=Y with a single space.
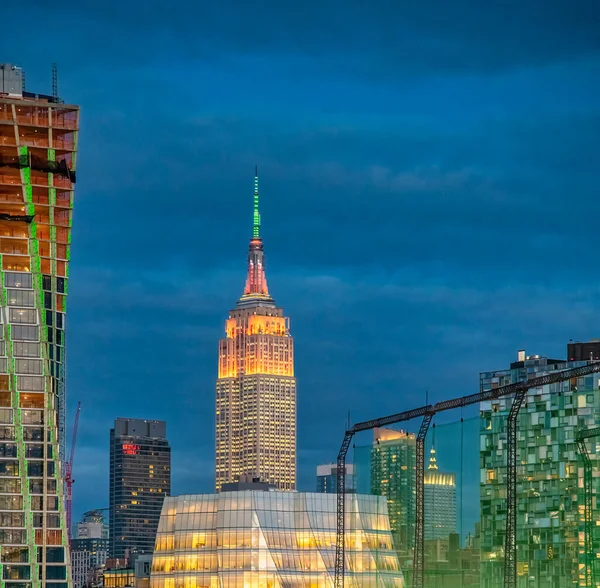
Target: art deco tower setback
x=256 y=387
x=38 y=142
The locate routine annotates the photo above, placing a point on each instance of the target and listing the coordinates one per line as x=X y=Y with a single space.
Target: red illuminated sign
x=129 y=449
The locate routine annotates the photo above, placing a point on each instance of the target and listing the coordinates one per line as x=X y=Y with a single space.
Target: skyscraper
x=140 y=478
x=38 y=142
x=440 y=501
x=327 y=478
x=89 y=548
x=550 y=532
x=256 y=388
x=393 y=474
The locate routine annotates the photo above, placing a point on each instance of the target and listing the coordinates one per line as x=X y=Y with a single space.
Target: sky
x=429 y=195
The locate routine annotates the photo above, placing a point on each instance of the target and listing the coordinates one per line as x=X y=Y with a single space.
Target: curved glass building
x=257 y=539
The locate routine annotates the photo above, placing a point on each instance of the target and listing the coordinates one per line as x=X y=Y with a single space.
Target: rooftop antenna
x=24 y=81
x=55 y=82
x=256 y=215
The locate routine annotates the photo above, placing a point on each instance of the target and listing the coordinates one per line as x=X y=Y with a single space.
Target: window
x=7 y=485
x=36 y=486
x=20 y=298
x=32 y=417
x=53 y=521
x=47 y=282
x=32 y=434
x=15 y=554
x=26 y=349
x=30 y=383
x=27 y=366
x=8 y=450
x=9 y=468
x=3 y=365
x=13 y=280
x=24 y=333
x=6 y=416
x=55 y=554
x=18 y=315
x=35 y=469
x=16 y=572
x=34 y=451
x=60 y=285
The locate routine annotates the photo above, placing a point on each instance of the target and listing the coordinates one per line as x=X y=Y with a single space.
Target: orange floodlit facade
x=256 y=387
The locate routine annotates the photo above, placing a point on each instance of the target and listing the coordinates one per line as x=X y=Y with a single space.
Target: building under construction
x=526 y=462
x=38 y=143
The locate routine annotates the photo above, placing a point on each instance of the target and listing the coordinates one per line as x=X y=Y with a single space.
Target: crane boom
x=69 y=471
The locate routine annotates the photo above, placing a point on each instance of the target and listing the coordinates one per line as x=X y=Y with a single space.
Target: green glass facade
x=550 y=515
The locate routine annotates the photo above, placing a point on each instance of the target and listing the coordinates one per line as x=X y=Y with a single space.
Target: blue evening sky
x=429 y=183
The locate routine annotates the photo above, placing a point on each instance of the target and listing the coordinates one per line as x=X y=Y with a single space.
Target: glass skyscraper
x=256 y=387
x=140 y=479
x=393 y=474
x=255 y=539
x=38 y=143
x=550 y=515
x=439 y=494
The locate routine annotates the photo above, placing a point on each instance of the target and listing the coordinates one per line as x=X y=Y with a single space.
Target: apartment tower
x=140 y=478
x=256 y=388
x=38 y=142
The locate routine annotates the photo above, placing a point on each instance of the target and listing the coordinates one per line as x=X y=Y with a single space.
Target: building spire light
x=256 y=215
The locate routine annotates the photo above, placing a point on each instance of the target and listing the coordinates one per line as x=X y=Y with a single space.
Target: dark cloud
x=350 y=37
x=429 y=199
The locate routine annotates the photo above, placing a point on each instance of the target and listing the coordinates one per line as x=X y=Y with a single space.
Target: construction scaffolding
x=515 y=392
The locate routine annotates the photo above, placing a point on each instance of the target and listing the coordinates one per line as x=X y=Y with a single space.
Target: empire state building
x=256 y=387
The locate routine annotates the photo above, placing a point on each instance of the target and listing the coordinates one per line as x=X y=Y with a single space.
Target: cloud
x=351 y=37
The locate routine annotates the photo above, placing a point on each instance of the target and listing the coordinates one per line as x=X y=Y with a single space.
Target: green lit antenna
x=256 y=216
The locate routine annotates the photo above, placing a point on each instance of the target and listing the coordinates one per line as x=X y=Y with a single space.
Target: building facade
x=275 y=539
x=393 y=475
x=89 y=549
x=140 y=478
x=327 y=478
x=38 y=144
x=550 y=516
x=256 y=387
x=439 y=494
x=88 y=557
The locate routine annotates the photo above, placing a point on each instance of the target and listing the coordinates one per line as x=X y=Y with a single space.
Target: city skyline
x=414 y=190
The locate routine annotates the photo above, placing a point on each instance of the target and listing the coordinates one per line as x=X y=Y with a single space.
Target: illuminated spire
x=256 y=216
x=432 y=460
x=256 y=280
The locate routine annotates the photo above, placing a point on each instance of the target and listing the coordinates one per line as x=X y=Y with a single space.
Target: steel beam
x=510 y=539
x=493 y=394
x=419 y=548
x=340 y=565
x=590 y=572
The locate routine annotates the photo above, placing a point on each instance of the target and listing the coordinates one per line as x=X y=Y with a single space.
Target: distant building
x=588 y=351
x=247 y=483
x=256 y=388
x=140 y=478
x=89 y=549
x=550 y=518
x=393 y=474
x=327 y=478
x=271 y=539
x=440 y=502
x=87 y=557
x=92 y=525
